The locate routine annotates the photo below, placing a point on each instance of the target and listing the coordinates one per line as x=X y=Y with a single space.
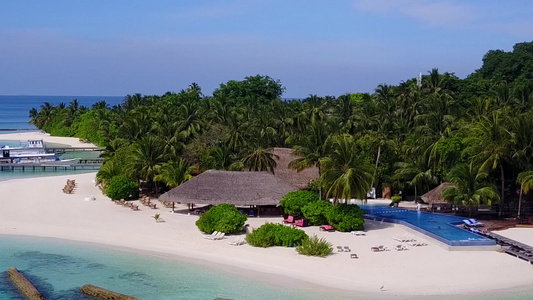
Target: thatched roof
x=294 y=178
x=433 y=196
x=237 y=188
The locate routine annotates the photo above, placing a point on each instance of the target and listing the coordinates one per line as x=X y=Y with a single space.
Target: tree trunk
x=519 y=202
x=376 y=167
x=503 y=190
x=415 y=194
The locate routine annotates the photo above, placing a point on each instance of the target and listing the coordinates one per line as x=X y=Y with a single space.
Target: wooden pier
x=51 y=166
x=72 y=149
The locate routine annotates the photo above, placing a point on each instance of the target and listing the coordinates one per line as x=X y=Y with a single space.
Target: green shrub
x=315 y=247
x=121 y=187
x=223 y=218
x=395 y=200
x=346 y=217
x=293 y=202
x=276 y=235
x=316 y=212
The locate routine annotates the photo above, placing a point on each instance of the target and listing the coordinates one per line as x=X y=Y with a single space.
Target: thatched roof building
x=292 y=177
x=237 y=188
x=434 y=196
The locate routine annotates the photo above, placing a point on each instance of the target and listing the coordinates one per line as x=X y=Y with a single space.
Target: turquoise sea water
x=59 y=268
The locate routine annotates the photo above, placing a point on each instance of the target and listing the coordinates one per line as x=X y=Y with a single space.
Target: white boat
x=35 y=152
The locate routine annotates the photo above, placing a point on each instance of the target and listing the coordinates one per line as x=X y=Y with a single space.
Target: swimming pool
x=440 y=227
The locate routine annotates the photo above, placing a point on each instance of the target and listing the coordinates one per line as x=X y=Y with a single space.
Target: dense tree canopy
x=408 y=136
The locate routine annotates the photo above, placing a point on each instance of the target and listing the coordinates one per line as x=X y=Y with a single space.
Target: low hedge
x=316 y=212
x=293 y=202
x=223 y=218
x=121 y=187
x=271 y=234
x=346 y=217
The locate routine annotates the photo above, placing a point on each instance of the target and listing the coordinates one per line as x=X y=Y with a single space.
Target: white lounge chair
x=219 y=236
x=358 y=233
x=239 y=240
x=211 y=236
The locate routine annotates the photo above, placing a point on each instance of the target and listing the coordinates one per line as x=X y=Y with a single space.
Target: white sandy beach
x=38 y=207
x=35 y=135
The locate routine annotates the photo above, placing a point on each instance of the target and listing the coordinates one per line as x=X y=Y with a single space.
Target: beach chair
x=357 y=233
x=474 y=222
x=300 y=223
x=290 y=219
x=220 y=236
x=326 y=228
x=400 y=248
x=212 y=235
x=237 y=241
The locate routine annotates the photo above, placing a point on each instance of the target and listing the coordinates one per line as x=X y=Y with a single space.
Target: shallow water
x=59 y=268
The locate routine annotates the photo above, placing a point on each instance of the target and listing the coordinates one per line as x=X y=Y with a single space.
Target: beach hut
x=283 y=156
x=434 y=198
x=259 y=191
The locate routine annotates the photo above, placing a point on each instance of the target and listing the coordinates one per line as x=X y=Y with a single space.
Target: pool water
x=438 y=226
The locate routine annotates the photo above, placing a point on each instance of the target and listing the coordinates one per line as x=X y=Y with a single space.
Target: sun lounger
x=237 y=241
x=379 y=249
x=353 y=256
x=400 y=248
x=339 y=249
x=472 y=222
x=220 y=236
x=300 y=223
x=347 y=249
x=326 y=228
x=417 y=244
x=212 y=235
x=358 y=233
x=290 y=219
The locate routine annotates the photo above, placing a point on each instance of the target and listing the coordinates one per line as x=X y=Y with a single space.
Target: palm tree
x=311 y=148
x=146 y=158
x=492 y=141
x=260 y=160
x=416 y=173
x=525 y=179
x=174 y=173
x=108 y=171
x=469 y=187
x=345 y=174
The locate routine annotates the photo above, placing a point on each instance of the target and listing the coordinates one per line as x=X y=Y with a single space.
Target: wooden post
x=24 y=285
x=101 y=293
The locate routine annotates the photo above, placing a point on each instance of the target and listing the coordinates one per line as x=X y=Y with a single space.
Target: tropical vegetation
x=315 y=246
x=269 y=234
x=222 y=218
x=409 y=136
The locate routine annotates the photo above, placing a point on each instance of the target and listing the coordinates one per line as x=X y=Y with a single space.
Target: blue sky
x=120 y=47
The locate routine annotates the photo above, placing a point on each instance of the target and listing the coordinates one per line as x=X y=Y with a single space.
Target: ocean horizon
x=14 y=114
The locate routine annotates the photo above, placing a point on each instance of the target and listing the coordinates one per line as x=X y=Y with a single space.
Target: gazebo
x=260 y=190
